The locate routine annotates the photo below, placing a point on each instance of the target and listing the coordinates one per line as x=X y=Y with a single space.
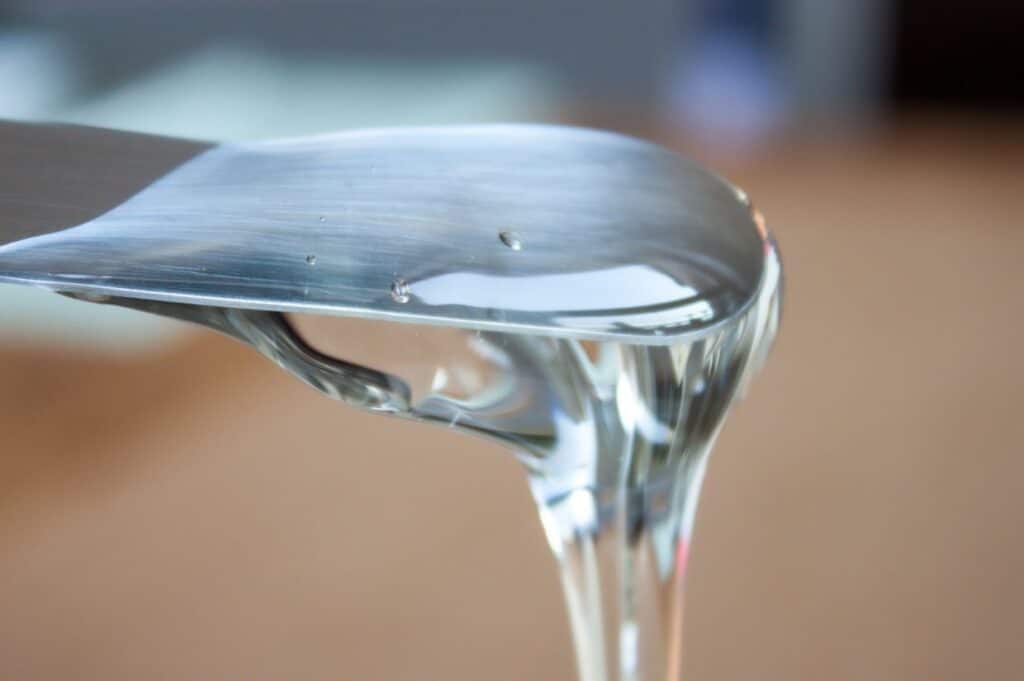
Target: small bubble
x=400 y=291
x=310 y=259
x=511 y=239
x=323 y=219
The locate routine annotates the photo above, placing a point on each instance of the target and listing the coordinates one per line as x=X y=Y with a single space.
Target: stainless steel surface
x=614 y=437
x=615 y=238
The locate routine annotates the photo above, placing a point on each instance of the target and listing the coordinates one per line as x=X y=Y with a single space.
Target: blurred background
x=173 y=506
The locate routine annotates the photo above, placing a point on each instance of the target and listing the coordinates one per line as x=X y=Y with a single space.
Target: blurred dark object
x=957 y=53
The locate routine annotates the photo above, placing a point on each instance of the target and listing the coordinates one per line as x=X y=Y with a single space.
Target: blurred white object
x=38 y=74
x=238 y=93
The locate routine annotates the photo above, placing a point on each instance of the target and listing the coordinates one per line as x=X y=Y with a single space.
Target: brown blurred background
x=173 y=506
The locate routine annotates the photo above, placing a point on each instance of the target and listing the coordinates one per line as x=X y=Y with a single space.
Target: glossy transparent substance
x=614 y=437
